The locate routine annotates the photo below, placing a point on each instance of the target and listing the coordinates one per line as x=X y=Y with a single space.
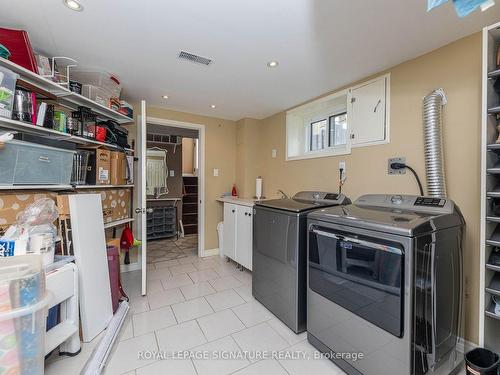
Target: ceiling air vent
x=194 y=58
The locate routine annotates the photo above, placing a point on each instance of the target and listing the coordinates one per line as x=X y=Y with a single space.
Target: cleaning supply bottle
x=234 y=192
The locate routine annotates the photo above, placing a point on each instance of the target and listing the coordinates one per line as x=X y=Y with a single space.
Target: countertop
x=249 y=202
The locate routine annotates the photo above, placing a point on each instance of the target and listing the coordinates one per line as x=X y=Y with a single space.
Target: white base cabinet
x=237 y=239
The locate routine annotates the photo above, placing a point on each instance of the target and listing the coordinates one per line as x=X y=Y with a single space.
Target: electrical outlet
x=342 y=165
x=216 y=172
x=274 y=153
x=172 y=173
x=390 y=170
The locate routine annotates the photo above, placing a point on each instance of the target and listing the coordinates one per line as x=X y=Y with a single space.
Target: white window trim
x=328 y=151
x=387 y=110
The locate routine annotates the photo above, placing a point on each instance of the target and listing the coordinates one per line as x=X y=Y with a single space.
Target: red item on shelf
x=100 y=133
x=18 y=43
x=234 y=192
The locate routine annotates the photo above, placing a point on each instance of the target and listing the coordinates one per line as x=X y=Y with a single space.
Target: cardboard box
x=115 y=203
x=118 y=168
x=99 y=167
x=63 y=204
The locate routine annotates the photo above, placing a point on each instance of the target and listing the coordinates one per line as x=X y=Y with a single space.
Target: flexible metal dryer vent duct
x=433 y=143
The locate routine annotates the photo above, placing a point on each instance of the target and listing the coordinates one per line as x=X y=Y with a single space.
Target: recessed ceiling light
x=273 y=64
x=73 y=5
x=212 y=106
x=165 y=96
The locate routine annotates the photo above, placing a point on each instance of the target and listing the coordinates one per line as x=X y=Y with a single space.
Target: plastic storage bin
x=100 y=79
x=7 y=89
x=97 y=94
x=23 y=306
x=24 y=163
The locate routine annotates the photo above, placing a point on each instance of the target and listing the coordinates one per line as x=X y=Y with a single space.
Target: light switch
x=216 y=172
x=172 y=173
x=274 y=153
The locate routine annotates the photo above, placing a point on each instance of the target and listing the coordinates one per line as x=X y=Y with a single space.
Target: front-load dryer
x=385 y=285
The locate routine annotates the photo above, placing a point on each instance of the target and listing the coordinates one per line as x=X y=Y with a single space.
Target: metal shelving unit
x=63 y=96
x=36 y=187
x=23 y=127
x=489 y=324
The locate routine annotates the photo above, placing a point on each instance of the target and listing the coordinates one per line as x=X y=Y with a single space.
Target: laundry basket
x=23 y=306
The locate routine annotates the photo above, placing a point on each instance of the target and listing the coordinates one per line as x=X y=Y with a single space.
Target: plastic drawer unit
x=25 y=163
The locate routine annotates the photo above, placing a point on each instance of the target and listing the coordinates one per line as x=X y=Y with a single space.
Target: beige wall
x=220 y=152
x=248 y=140
x=187 y=155
x=456 y=68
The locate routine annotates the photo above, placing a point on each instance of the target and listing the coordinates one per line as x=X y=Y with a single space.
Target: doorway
x=172 y=193
x=179 y=146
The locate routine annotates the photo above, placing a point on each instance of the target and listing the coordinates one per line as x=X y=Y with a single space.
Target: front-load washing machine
x=385 y=285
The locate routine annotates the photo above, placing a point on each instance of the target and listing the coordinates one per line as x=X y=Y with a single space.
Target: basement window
x=318 y=129
x=318 y=135
x=328 y=132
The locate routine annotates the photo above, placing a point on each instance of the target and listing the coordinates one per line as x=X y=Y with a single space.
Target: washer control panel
x=322 y=197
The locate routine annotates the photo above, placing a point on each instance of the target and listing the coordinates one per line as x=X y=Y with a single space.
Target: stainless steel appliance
x=279 y=253
x=385 y=279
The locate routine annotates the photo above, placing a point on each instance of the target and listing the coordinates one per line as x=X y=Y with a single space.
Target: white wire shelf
x=64 y=96
x=24 y=127
x=36 y=187
x=78 y=187
x=118 y=223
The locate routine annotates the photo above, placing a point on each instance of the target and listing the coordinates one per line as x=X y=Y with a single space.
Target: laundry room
x=281 y=187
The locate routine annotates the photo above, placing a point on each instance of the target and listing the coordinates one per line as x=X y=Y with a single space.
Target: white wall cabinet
x=238 y=229
x=367 y=112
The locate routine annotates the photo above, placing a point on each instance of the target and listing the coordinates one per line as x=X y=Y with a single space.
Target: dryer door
x=362 y=274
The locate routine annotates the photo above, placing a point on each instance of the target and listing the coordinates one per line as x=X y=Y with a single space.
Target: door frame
x=201 y=171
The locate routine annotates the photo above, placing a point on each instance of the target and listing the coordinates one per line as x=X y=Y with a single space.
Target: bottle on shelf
x=234 y=192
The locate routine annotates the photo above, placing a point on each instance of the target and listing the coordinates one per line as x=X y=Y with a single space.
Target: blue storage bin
x=25 y=163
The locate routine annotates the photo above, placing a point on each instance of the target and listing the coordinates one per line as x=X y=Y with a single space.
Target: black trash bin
x=482 y=361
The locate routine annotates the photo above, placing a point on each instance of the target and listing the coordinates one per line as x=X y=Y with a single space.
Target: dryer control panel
x=430 y=202
x=408 y=202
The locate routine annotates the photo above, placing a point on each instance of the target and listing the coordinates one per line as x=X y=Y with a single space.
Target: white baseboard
x=463 y=346
x=211 y=252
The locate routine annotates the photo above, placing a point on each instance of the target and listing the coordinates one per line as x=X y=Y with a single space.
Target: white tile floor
x=203 y=304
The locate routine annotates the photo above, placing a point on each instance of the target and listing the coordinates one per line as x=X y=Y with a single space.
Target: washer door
x=362 y=274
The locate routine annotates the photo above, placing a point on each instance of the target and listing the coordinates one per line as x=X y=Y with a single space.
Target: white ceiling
x=320 y=45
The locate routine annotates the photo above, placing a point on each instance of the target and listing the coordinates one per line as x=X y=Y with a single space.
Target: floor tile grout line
x=202 y=332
